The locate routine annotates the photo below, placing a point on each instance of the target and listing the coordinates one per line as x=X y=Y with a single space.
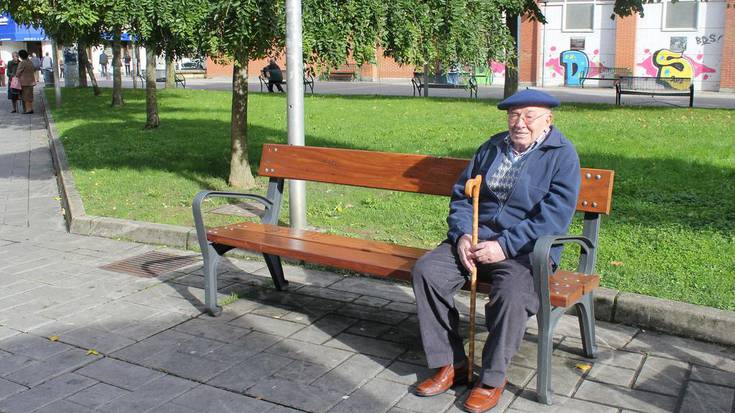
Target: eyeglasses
x=528 y=117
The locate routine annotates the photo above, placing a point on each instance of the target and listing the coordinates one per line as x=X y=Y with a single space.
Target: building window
x=579 y=17
x=681 y=15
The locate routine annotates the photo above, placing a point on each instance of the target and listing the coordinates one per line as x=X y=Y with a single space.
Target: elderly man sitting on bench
x=531 y=180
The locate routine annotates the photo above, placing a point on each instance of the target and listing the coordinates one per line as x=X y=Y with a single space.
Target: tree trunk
x=81 y=59
x=240 y=175
x=170 y=71
x=151 y=104
x=90 y=71
x=511 y=69
x=55 y=68
x=117 y=98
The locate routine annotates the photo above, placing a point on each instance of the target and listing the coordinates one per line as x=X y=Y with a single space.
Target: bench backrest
x=654 y=83
x=400 y=172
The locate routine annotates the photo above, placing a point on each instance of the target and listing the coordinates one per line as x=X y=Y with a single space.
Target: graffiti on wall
x=664 y=63
x=576 y=65
x=709 y=39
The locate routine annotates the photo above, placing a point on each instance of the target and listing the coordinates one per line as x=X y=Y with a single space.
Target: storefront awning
x=10 y=31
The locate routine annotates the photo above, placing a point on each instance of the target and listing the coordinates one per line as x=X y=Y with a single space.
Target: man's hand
x=486 y=252
x=464 y=250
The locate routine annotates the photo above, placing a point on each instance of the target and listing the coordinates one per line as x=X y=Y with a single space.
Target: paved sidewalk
x=78 y=338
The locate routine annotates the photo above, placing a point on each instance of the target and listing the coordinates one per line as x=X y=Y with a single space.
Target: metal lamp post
x=295 y=111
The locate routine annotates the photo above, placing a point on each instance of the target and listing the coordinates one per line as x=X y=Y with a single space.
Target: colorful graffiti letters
x=576 y=64
x=673 y=64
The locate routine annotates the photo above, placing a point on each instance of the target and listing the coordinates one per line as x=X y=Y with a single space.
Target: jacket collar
x=554 y=140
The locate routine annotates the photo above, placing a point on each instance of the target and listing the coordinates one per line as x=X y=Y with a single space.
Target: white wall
x=703 y=53
x=554 y=39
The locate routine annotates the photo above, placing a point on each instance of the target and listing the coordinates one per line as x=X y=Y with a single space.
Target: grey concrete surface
x=77 y=338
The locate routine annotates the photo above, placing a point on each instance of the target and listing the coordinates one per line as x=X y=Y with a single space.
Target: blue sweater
x=542 y=202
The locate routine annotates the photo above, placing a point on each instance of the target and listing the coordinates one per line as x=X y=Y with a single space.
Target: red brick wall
x=528 y=59
x=625 y=28
x=727 y=67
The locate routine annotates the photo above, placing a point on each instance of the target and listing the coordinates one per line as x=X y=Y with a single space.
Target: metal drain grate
x=151 y=264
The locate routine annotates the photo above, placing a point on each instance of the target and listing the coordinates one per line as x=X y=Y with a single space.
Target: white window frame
x=665 y=8
x=564 y=17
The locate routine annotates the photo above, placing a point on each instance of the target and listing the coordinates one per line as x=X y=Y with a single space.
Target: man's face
x=526 y=124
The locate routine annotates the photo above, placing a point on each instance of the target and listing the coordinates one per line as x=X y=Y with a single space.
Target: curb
x=667 y=316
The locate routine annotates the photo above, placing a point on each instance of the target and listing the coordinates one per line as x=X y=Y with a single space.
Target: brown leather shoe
x=482 y=399
x=442 y=381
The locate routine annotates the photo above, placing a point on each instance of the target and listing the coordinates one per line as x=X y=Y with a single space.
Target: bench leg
x=546 y=327
x=276 y=270
x=212 y=258
x=586 y=314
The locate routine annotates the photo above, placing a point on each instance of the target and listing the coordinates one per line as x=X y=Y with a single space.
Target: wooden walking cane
x=472 y=190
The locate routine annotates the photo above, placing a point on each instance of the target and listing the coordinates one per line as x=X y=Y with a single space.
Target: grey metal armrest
x=197 y=209
x=542 y=264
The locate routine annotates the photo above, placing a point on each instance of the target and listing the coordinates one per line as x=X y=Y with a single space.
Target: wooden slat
x=382 y=170
x=373 y=257
x=401 y=172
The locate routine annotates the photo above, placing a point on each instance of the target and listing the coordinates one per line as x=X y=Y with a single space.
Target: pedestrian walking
x=36 y=62
x=2 y=72
x=126 y=60
x=13 y=93
x=25 y=74
x=47 y=64
x=103 y=63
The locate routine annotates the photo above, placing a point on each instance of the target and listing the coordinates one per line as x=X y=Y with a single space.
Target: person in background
x=103 y=63
x=25 y=73
x=2 y=72
x=36 y=67
x=126 y=60
x=13 y=94
x=274 y=75
x=47 y=64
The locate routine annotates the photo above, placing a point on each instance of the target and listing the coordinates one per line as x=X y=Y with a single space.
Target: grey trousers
x=438 y=275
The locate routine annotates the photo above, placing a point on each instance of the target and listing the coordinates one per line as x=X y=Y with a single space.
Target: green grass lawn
x=671 y=232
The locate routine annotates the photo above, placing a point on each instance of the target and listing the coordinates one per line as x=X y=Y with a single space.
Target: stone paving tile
x=438 y=403
x=152 y=325
x=249 y=372
x=365 y=345
x=702 y=397
x=387 y=290
x=564 y=377
x=572 y=348
x=662 y=375
x=34 y=347
x=626 y=398
x=352 y=373
x=371 y=301
x=242 y=348
x=47 y=393
x=267 y=325
x=119 y=373
x=8 y=388
x=606 y=373
x=700 y=373
x=155 y=393
x=41 y=371
x=305 y=276
x=64 y=406
x=328 y=294
x=151 y=345
x=526 y=402
x=93 y=338
x=696 y=352
x=374 y=396
x=520 y=376
x=19 y=286
x=297 y=395
x=302 y=371
x=186 y=365
x=404 y=373
x=177 y=408
x=369 y=329
x=298 y=350
x=212 y=329
x=324 y=329
x=97 y=395
x=7 y=332
x=26 y=322
x=10 y=362
x=210 y=399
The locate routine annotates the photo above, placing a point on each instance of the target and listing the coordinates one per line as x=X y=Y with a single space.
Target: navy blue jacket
x=542 y=201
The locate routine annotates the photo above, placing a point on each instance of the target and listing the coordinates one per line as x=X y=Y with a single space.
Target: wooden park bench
x=308 y=80
x=179 y=79
x=606 y=73
x=410 y=173
x=466 y=81
x=346 y=72
x=654 y=86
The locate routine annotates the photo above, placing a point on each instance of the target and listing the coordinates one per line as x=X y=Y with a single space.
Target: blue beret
x=529 y=97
